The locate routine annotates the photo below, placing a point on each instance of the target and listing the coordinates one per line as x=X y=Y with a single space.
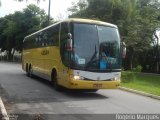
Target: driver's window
x=63 y=43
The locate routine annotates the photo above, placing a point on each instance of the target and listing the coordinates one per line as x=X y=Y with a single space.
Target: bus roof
x=78 y=20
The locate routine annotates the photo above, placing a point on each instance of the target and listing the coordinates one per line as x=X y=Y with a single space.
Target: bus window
x=41 y=39
x=56 y=35
x=63 y=43
x=29 y=42
x=53 y=35
x=45 y=38
x=25 y=43
x=36 y=41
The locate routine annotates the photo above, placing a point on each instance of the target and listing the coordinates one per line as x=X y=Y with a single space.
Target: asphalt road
x=25 y=95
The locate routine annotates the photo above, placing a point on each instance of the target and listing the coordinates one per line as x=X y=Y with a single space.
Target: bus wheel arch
x=54 y=79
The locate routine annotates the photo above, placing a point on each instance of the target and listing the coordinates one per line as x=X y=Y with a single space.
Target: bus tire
x=30 y=74
x=27 y=70
x=54 y=80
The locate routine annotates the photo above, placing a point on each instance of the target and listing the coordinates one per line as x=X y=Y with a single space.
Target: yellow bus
x=75 y=54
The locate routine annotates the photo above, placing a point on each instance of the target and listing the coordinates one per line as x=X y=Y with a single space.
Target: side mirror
x=123 y=46
x=69 y=42
x=69 y=36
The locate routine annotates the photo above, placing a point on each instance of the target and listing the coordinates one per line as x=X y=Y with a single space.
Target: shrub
x=128 y=76
x=138 y=68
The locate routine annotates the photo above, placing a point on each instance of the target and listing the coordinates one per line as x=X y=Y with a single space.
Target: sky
x=58 y=7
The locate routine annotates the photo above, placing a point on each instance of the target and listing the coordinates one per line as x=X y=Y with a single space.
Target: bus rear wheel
x=27 y=70
x=54 y=81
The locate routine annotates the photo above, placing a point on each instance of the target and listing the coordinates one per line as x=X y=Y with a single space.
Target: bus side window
x=45 y=38
x=36 y=41
x=56 y=35
x=50 y=36
x=63 y=43
x=25 y=43
x=30 y=42
x=42 y=39
x=53 y=35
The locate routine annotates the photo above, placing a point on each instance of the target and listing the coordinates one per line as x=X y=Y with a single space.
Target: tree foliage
x=14 y=27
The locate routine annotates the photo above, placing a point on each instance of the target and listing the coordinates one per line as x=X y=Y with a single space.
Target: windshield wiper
x=93 y=56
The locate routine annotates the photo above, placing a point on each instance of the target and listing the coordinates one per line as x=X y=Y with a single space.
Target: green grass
x=142 y=82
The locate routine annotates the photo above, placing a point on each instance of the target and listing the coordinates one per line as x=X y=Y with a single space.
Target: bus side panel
x=37 y=60
x=34 y=58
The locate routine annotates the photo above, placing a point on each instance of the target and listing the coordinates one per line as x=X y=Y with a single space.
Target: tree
x=77 y=7
x=14 y=27
x=150 y=12
x=3 y=24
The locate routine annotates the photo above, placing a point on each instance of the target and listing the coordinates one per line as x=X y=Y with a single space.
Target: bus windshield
x=96 y=47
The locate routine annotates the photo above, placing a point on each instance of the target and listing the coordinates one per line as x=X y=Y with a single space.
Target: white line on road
x=3 y=110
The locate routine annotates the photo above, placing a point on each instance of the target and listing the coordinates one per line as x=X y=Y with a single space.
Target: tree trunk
x=131 y=62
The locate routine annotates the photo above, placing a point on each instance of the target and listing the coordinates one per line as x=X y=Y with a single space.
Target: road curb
x=140 y=93
x=3 y=111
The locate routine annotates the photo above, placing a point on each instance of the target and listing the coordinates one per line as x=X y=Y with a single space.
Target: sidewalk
x=3 y=112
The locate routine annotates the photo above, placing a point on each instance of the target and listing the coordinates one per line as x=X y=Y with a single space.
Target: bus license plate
x=97 y=85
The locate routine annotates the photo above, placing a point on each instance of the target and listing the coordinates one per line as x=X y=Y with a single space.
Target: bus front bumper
x=84 y=84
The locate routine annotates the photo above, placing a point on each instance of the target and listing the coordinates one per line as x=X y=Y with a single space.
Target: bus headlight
x=76 y=77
